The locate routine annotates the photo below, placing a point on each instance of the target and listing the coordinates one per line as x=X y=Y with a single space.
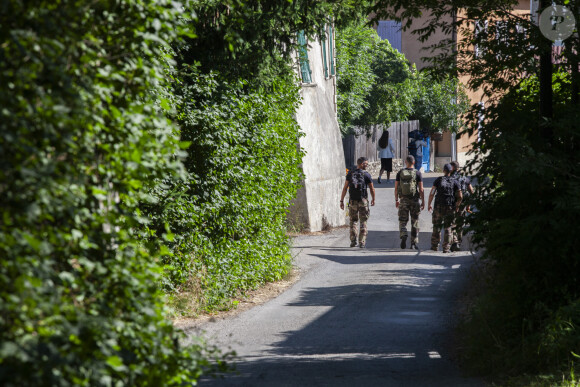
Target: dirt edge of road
x=251 y=299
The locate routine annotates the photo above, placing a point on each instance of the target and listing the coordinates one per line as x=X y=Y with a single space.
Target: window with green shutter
x=324 y=62
x=331 y=49
x=303 y=55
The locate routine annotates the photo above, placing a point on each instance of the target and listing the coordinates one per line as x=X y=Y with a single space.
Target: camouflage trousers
x=411 y=207
x=442 y=219
x=358 y=210
x=458 y=226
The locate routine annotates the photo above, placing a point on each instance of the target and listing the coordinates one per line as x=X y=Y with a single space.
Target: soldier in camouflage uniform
x=357 y=182
x=460 y=216
x=358 y=211
x=446 y=205
x=409 y=205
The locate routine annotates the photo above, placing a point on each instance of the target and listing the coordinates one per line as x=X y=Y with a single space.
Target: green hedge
x=228 y=216
x=236 y=97
x=81 y=138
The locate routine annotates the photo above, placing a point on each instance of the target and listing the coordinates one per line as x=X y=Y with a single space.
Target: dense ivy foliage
x=236 y=97
x=228 y=215
x=528 y=198
x=81 y=139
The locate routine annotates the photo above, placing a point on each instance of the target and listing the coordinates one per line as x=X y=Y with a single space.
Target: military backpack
x=357 y=186
x=463 y=184
x=446 y=191
x=408 y=183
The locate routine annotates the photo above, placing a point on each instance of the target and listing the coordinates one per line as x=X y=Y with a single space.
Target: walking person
x=408 y=191
x=415 y=147
x=357 y=182
x=448 y=196
x=460 y=217
x=386 y=150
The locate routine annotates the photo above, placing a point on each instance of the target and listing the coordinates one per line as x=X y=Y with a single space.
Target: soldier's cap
x=448 y=167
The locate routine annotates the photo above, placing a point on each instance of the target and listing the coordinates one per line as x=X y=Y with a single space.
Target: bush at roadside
x=81 y=139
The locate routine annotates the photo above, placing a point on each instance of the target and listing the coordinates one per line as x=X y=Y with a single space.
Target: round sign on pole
x=557 y=22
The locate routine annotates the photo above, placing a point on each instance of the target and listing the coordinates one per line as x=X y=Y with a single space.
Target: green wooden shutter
x=323 y=44
x=331 y=49
x=303 y=54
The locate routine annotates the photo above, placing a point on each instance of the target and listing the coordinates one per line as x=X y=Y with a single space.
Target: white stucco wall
x=317 y=204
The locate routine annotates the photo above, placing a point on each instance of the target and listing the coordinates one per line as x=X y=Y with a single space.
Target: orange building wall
x=416 y=51
x=465 y=143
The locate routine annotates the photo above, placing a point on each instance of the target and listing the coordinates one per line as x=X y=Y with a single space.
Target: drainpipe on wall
x=453 y=146
x=534 y=6
x=454 y=136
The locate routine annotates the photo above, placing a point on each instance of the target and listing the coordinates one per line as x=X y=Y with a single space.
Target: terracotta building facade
x=451 y=147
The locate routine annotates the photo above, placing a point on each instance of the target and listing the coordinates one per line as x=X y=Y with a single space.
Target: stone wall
x=316 y=206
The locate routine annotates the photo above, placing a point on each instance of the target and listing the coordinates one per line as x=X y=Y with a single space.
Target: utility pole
x=454 y=101
x=575 y=63
x=546 y=93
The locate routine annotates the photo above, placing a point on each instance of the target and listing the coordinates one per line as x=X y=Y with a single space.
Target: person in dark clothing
x=460 y=217
x=357 y=182
x=448 y=196
x=386 y=150
x=408 y=191
x=416 y=144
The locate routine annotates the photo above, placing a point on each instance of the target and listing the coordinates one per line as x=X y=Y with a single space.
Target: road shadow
x=389 y=242
x=392 y=330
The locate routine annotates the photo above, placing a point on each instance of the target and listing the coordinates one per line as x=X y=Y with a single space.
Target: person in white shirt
x=386 y=153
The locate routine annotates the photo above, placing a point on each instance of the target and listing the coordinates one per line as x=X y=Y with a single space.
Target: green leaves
x=254 y=40
x=82 y=142
x=355 y=49
x=439 y=104
x=377 y=86
x=228 y=216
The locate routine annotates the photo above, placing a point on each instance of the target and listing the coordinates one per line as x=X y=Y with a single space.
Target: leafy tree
x=355 y=52
x=255 y=40
x=525 y=162
x=376 y=86
x=391 y=96
x=527 y=208
x=373 y=79
x=439 y=104
x=81 y=140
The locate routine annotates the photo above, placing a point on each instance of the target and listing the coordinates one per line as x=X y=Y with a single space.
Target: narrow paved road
x=378 y=316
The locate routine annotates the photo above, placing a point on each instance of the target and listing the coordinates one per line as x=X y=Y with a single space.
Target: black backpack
x=463 y=183
x=446 y=191
x=357 y=185
x=462 y=180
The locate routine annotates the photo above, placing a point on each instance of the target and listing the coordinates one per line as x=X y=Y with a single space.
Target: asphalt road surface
x=379 y=316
